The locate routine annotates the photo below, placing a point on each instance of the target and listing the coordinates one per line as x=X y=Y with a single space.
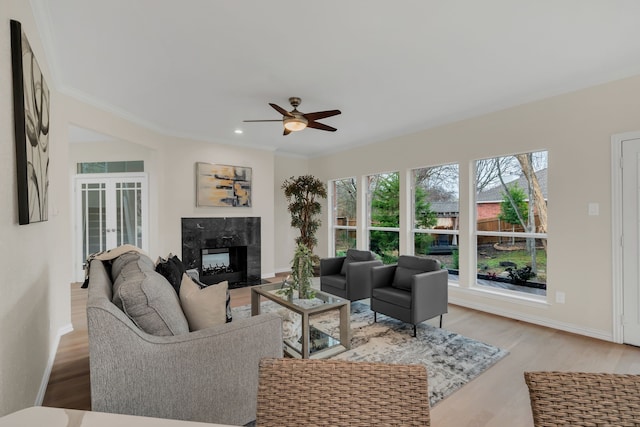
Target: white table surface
x=57 y=417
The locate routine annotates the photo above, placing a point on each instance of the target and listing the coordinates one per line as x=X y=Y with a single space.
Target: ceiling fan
x=294 y=120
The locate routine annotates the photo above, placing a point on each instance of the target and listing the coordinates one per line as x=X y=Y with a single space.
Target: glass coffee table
x=313 y=343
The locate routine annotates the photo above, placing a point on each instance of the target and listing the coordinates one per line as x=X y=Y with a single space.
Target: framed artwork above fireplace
x=223 y=185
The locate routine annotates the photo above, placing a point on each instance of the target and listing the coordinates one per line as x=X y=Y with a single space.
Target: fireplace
x=223 y=249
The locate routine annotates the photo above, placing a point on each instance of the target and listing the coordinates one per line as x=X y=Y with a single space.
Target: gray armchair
x=349 y=276
x=413 y=290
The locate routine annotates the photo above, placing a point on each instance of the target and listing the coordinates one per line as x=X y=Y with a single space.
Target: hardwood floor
x=497 y=398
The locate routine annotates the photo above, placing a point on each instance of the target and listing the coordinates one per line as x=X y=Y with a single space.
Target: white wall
x=576 y=129
x=285 y=235
x=35 y=307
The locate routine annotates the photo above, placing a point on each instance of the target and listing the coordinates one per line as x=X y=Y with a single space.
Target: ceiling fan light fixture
x=295 y=124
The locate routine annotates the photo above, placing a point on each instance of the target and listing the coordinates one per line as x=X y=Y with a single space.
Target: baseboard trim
x=52 y=357
x=536 y=320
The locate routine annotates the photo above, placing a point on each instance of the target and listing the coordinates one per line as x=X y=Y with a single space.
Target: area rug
x=452 y=360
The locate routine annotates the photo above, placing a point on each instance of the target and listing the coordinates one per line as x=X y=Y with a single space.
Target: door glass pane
x=129 y=213
x=94 y=230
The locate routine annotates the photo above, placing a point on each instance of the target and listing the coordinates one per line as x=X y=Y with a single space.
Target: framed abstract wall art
x=223 y=185
x=31 y=120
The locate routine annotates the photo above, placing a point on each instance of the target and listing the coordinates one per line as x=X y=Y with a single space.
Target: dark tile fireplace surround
x=229 y=246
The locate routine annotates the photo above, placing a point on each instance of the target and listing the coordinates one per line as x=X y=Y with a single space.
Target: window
x=436 y=212
x=511 y=222
x=384 y=215
x=344 y=220
x=110 y=167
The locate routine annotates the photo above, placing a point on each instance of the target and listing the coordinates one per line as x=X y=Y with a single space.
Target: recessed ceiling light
x=238 y=131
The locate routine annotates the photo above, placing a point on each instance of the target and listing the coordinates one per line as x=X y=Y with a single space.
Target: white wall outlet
x=560 y=297
x=593 y=209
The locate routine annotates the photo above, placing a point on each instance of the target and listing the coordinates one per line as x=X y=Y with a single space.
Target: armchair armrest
x=430 y=293
x=331 y=266
x=359 y=279
x=382 y=276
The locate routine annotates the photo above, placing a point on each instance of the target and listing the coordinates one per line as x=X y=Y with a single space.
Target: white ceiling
x=197 y=68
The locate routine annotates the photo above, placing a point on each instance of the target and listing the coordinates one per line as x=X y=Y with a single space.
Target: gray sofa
x=210 y=375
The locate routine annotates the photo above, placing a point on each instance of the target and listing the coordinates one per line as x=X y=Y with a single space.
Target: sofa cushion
x=355 y=255
x=148 y=299
x=195 y=276
x=203 y=307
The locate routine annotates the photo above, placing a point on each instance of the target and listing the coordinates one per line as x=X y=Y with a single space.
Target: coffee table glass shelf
x=313 y=343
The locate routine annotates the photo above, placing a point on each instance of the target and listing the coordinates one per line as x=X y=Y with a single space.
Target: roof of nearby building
x=495 y=194
x=445 y=207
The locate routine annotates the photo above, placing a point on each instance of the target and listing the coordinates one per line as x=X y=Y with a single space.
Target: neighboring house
x=488 y=201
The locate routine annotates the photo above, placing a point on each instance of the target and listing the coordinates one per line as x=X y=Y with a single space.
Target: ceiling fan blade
x=320 y=126
x=321 y=114
x=279 y=120
x=281 y=110
x=286 y=132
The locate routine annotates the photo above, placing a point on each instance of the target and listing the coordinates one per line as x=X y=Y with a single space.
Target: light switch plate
x=594 y=209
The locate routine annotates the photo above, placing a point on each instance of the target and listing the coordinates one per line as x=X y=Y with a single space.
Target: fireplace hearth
x=223 y=249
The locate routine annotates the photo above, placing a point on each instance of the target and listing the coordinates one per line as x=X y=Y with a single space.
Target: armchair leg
x=375 y=318
x=415 y=330
x=441 y=321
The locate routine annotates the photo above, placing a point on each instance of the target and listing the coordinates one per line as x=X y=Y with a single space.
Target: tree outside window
x=384 y=216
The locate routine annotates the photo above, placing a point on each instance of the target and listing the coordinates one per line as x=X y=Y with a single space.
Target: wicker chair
x=297 y=392
x=584 y=399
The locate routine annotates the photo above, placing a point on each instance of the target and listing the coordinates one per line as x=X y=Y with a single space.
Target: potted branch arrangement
x=301 y=274
x=303 y=194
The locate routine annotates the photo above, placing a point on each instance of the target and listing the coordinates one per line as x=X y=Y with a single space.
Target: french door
x=111 y=210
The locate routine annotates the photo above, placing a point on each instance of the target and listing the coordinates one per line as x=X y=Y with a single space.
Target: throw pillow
x=203 y=307
x=172 y=269
x=195 y=277
x=355 y=255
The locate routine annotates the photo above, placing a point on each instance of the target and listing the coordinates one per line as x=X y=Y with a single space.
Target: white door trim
x=616 y=231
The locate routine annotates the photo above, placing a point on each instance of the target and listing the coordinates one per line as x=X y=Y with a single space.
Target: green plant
x=301 y=275
x=521 y=275
x=302 y=271
x=455 y=255
x=513 y=208
x=303 y=193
